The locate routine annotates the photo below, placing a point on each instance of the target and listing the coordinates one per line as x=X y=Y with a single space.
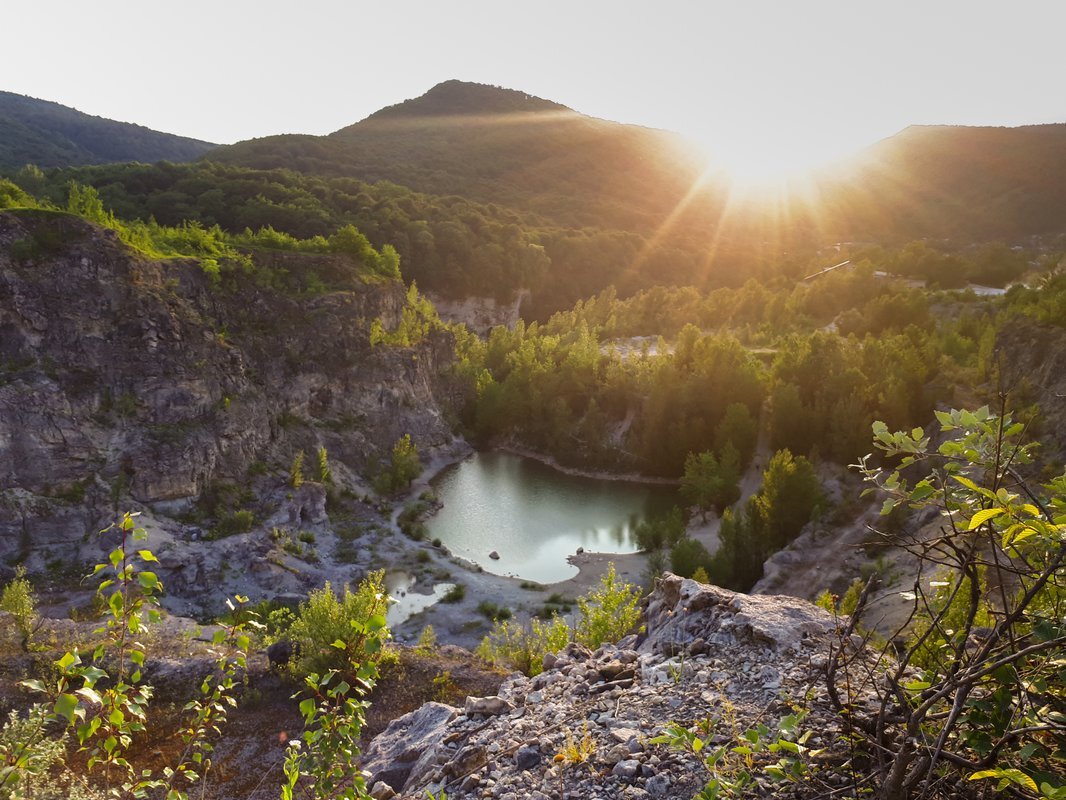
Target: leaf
x=147 y=580
x=66 y=705
x=983 y=516
x=147 y=555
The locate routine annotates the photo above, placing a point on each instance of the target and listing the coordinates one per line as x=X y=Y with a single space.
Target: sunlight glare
x=767 y=159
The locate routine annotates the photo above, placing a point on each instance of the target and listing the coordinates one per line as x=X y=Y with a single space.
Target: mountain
x=947 y=181
x=52 y=135
x=501 y=146
x=506 y=147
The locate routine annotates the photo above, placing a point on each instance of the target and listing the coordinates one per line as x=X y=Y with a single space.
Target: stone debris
x=582 y=728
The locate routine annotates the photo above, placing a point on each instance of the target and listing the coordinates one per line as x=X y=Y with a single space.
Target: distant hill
x=951 y=182
x=502 y=146
x=51 y=135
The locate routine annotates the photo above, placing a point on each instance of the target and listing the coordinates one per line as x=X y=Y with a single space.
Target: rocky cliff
x=126 y=381
x=705 y=653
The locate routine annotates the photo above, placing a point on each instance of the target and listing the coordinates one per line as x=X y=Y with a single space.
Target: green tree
x=688 y=556
x=790 y=494
x=739 y=429
x=711 y=481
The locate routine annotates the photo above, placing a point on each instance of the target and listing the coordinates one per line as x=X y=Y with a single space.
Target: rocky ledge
x=705 y=653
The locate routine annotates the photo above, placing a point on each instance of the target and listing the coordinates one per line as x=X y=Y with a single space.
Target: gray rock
x=527 y=757
x=489 y=706
x=393 y=754
x=627 y=769
x=657 y=785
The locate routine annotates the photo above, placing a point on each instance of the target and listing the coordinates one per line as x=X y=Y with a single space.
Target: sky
x=769 y=84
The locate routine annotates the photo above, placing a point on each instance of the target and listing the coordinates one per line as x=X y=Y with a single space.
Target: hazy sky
x=800 y=78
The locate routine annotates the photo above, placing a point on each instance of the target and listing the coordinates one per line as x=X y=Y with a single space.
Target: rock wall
x=123 y=376
x=706 y=652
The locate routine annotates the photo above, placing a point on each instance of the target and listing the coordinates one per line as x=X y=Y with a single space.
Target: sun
x=767 y=159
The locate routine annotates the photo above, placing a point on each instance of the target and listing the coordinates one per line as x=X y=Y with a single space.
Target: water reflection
x=407 y=603
x=535 y=516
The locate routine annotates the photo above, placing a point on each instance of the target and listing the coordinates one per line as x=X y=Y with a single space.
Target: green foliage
x=605 y=614
x=417 y=319
x=689 y=556
x=404 y=466
x=296 y=471
x=325 y=474
x=790 y=495
x=334 y=711
x=608 y=612
x=427 y=640
x=30 y=758
x=710 y=481
x=523 y=648
x=455 y=595
x=735 y=761
x=659 y=532
x=979 y=683
x=19 y=600
x=492 y=611
x=323 y=628
x=240 y=521
x=107 y=709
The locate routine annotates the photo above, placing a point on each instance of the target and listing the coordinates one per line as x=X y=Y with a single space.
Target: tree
x=789 y=495
x=739 y=429
x=687 y=556
x=709 y=481
x=404 y=466
x=978 y=687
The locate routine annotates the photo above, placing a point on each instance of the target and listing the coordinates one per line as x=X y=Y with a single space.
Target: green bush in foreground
x=323 y=628
x=605 y=614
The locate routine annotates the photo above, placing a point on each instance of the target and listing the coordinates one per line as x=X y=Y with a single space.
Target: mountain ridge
x=50 y=134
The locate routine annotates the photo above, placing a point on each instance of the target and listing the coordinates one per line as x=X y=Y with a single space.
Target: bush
x=325 y=620
x=493 y=611
x=238 y=522
x=19 y=600
x=455 y=594
x=979 y=681
x=607 y=613
x=404 y=466
x=516 y=647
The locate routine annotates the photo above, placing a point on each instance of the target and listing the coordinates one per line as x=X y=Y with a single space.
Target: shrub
x=455 y=594
x=523 y=648
x=238 y=522
x=19 y=600
x=323 y=626
x=494 y=612
x=977 y=689
x=607 y=613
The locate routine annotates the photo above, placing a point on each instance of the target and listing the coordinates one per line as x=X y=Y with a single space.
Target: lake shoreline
x=458 y=622
x=578 y=472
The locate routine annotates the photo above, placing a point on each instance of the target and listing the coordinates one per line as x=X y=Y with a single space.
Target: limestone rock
x=393 y=753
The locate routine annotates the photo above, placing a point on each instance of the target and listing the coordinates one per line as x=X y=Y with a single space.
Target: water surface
x=534 y=516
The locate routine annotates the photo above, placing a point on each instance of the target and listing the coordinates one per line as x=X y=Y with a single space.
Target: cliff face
x=706 y=653
x=123 y=378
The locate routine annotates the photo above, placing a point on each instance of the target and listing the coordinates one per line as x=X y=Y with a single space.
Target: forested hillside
x=48 y=134
x=501 y=146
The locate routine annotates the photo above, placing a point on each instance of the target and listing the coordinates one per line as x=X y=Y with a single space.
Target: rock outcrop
x=126 y=380
x=706 y=653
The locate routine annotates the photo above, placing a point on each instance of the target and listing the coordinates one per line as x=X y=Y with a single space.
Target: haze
x=770 y=86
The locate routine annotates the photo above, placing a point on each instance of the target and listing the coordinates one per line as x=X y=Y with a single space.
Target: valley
x=521 y=367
